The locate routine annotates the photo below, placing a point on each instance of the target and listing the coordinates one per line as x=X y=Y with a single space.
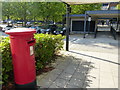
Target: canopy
x=88 y=1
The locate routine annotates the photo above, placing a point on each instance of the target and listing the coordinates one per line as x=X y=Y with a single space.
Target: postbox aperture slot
x=33 y=41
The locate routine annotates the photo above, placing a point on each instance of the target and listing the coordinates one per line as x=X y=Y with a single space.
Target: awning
x=88 y=1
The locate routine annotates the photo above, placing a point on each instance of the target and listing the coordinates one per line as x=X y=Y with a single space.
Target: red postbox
x=22 y=44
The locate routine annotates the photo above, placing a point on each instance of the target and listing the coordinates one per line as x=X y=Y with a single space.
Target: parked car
x=46 y=29
x=4 y=21
x=50 y=28
x=43 y=29
x=33 y=27
x=19 y=22
x=2 y=27
x=60 y=30
x=40 y=29
x=7 y=27
x=37 y=28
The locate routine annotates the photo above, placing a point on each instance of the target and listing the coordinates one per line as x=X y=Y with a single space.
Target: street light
x=89 y=19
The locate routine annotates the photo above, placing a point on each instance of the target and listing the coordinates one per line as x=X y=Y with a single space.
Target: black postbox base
x=29 y=86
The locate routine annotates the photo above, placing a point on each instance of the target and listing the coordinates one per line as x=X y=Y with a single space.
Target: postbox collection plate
x=31 y=50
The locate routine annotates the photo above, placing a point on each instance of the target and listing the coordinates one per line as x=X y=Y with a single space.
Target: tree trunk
x=22 y=21
x=25 y=21
x=34 y=19
x=8 y=17
x=53 y=19
x=25 y=15
x=47 y=19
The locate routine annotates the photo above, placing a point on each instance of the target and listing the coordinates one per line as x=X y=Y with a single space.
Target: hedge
x=45 y=48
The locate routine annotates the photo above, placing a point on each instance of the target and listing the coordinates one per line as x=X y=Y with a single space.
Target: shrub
x=45 y=48
x=6 y=59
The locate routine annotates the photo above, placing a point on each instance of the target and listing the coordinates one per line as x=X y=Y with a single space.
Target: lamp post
x=68 y=10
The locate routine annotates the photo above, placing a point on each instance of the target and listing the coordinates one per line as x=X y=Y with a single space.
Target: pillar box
x=22 y=47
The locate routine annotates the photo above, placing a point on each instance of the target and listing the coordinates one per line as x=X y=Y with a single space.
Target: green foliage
x=33 y=11
x=6 y=58
x=80 y=9
x=118 y=6
x=45 y=48
x=7 y=10
x=46 y=11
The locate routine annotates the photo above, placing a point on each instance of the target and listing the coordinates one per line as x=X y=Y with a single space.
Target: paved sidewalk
x=103 y=43
x=83 y=67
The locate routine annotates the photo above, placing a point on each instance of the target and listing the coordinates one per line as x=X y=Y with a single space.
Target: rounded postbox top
x=20 y=31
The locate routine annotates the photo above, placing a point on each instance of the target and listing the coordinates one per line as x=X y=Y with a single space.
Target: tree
x=46 y=11
x=7 y=10
x=21 y=10
x=118 y=6
x=52 y=11
x=80 y=9
x=34 y=10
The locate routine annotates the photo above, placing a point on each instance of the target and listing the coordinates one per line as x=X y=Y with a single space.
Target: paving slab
x=61 y=83
x=71 y=86
x=79 y=75
x=62 y=65
x=56 y=71
x=76 y=82
x=70 y=69
x=106 y=80
x=91 y=82
x=44 y=83
x=65 y=76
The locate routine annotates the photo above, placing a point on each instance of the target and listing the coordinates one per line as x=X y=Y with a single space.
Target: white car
x=3 y=27
x=6 y=27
